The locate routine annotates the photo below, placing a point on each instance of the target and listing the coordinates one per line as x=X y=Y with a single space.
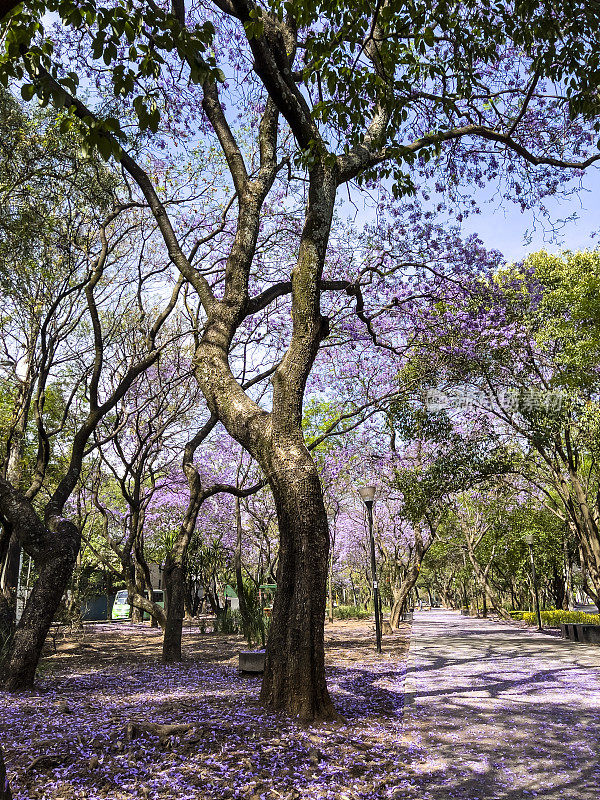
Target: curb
x=410 y=684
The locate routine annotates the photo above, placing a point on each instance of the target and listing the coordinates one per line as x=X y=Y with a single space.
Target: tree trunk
x=10 y=574
x=138 y=588
x=175 y=590
x=488 y=595
x=7 y=604
x=331 y=587
x=294 y=678
x=175 y=563
x=54 y=570
x=401 y=595
x=4 y=787
x=239 y=578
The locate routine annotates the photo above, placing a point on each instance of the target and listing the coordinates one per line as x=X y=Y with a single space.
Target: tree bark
x=4 y=787
x=55 y=566
x=175 y=590
x=487 y=592
x=401 y=595
x=175 y=562
x=10 y=575
x=239 y=578
x=294 y=678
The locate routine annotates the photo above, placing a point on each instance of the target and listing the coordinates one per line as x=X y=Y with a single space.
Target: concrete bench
x=252 y=661
x=580 y=632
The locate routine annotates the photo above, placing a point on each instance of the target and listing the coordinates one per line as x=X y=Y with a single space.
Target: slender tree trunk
x=11 y=560
x=4 y=787
x=237 y=563
x=294 y=678
x=488 y=595
x=568 y=597
x=412 y=575
x=139 y=586
x=175 y=564
x=402 y=594
x=331 y=586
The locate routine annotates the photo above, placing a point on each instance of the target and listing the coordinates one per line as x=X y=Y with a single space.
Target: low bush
x=554 y=617
x=351 y=612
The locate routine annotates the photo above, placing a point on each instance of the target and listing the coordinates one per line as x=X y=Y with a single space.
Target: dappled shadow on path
x=500 y=714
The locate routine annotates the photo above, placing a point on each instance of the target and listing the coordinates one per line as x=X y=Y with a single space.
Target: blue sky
x=503 y=225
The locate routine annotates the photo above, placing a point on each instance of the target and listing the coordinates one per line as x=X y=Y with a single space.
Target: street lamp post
x=529 y=541
x=367 y=494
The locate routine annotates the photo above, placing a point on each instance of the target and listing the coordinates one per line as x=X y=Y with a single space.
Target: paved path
x=499 y=713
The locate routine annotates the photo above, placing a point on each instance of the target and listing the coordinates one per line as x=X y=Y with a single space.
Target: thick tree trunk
x=294 y=678
x=54 y=570
x=7 y=601
x=4 y=787
x=10 y=574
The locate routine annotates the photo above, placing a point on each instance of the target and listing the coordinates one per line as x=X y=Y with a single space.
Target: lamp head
x=528 y=539
x=367 y=494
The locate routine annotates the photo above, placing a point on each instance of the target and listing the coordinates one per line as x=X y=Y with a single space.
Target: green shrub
x=351 y=612
x=256 y=626
x=228 y=621
x=554 y=618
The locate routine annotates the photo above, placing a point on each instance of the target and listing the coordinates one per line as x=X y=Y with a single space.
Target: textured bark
x=237 y=564
x=294 y=678
x=409 y=581
x=402 y=593
x=174 y=576
x=55 y=566
x=175 y=588
x=4 y=787
x=10 y=576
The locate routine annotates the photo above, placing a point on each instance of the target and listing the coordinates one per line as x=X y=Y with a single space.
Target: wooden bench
x=580 y=632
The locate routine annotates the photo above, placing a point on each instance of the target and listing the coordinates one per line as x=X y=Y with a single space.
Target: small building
x=231 y=598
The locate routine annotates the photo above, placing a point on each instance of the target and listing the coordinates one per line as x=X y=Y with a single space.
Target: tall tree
x=437 y=84
x=70 y=307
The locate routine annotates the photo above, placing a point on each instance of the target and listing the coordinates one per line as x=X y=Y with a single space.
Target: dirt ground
x=94 y=727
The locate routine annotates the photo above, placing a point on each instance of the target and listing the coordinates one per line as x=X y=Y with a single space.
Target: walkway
x=499 y=713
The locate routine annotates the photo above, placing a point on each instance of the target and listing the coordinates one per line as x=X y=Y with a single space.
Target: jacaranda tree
x=333 y=95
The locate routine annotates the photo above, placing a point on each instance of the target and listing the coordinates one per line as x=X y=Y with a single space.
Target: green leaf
x=27 y=91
